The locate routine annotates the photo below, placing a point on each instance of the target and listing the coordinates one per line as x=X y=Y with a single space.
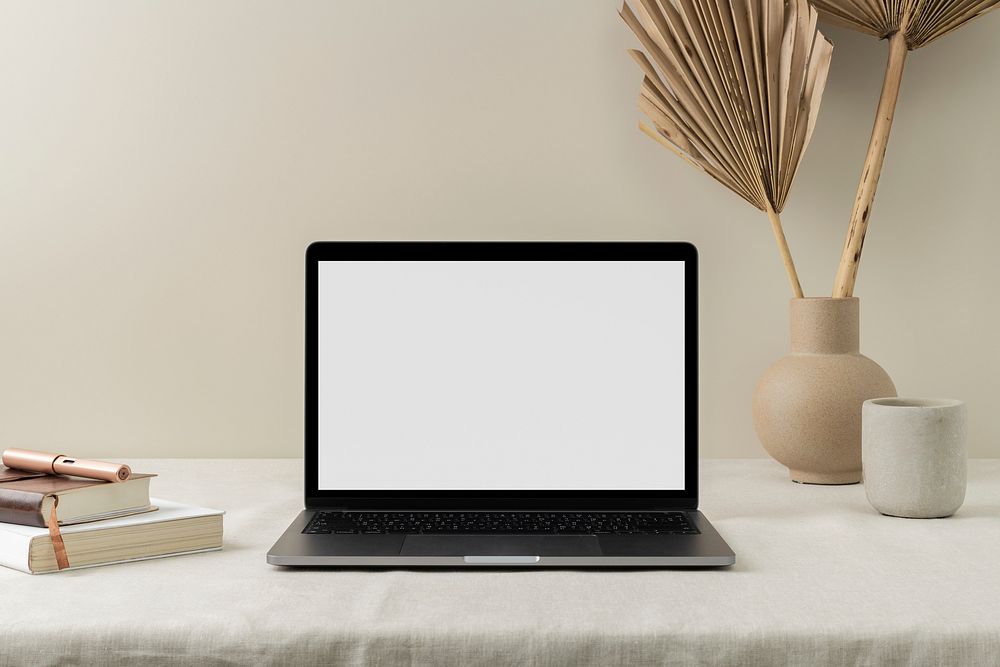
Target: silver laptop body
x=501 y=404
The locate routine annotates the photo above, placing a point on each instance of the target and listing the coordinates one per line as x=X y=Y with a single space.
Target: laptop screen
x=501 y=375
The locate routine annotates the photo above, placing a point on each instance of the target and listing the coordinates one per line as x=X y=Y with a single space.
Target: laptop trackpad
x=501 y=545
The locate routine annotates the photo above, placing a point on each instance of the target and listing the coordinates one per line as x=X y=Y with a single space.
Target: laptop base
x=297 y=549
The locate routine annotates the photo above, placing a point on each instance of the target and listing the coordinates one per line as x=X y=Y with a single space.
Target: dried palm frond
x=908 y=25
x=919 y=21
x=734 y=87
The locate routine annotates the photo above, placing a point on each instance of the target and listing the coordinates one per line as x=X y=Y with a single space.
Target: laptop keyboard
x=501 y=523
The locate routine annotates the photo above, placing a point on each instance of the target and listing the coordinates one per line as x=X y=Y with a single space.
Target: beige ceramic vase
x=807 y=406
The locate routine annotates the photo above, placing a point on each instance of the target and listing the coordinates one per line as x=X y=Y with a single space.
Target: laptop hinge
x=684 y=507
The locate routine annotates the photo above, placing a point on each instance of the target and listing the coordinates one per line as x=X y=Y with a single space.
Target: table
x=820 y=578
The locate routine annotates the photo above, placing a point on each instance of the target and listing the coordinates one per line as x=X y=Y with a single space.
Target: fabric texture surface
x=820 y=578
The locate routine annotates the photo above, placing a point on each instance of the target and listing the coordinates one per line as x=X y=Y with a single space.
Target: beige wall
x=163 y=165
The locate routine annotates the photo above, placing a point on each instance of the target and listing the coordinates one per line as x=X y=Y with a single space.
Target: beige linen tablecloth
x=819 y=578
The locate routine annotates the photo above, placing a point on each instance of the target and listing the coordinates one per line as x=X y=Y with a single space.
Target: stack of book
x=96 y=522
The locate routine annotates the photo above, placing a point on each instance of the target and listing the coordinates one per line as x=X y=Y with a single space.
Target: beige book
x=172 y=529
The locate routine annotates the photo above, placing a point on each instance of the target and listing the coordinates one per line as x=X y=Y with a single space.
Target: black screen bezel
x=687 y=498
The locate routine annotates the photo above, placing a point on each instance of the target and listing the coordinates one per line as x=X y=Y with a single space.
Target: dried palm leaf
x=908 y=25
x=734 y=87
x=918 y=22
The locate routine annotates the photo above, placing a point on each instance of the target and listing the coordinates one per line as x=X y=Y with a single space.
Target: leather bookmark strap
x=62 y=560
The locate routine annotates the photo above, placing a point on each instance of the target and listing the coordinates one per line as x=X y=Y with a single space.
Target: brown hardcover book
x=27 y=498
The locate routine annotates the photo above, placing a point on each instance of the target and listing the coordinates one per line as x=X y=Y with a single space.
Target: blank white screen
x=501 y=375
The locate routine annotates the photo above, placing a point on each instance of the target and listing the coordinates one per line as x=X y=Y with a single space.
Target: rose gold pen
x=59 y=464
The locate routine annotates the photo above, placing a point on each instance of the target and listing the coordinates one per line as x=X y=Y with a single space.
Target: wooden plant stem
x=847 y=272
x=786 y=255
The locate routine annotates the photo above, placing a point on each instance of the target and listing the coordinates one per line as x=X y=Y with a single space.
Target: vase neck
x=825 y=325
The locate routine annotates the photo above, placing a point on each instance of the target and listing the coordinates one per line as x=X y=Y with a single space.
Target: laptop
x=501 y=404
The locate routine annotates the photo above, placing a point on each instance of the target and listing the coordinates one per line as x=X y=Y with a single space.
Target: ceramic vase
x=807 y=405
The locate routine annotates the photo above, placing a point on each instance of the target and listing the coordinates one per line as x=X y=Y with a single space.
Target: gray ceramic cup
x=913 y=455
